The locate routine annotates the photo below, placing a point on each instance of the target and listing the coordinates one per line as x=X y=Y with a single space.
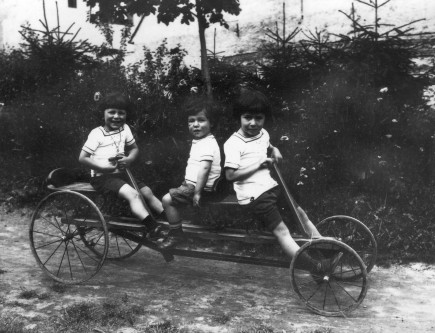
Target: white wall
x=255 y=17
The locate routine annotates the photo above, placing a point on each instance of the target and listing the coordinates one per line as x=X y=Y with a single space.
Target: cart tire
x=339 y=290
x=354 y=233
x=119 y=247
x=57 y=227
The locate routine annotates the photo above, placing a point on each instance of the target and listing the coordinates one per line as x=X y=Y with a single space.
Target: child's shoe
x=325 y=267
x=172 y=239
x=157 y=232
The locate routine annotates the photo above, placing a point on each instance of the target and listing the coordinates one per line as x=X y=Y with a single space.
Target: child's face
x=114 y=118
x=251 y=123
x=199 y=125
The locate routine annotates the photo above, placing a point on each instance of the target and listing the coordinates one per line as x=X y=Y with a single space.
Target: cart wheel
x=337 y=291
x=119 y=246
x=353 y=233
x=56 y=229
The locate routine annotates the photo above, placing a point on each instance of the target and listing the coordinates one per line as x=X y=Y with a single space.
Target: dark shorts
x=265 y=208
x=183 y=194
x=111 y=183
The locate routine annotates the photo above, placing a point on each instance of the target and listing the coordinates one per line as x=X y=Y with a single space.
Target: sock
x=176 y=228
x=162 y=216
x=150 y=223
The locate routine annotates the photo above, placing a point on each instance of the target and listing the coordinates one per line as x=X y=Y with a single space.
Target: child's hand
x=267 y=163
x=123 y=161
x=276 y=155
x=196 y=199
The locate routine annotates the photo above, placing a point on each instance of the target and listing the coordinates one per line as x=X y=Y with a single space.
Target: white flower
x=300 y=183
x=379 y=99
x=97 y=96
x=394 y=121
x=284 y=138
x=194 y=90
x=384 y=90
x=347 y=97
x=389 y=136
x=303 y=169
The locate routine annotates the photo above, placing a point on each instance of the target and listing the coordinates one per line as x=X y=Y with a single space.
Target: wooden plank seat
x=82 y=187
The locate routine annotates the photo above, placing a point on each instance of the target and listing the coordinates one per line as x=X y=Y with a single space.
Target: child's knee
x=146 y=191
x=167 y=200
x=128 y=193
x=281 y=230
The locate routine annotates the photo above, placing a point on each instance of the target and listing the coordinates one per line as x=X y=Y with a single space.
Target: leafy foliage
x=350 y=118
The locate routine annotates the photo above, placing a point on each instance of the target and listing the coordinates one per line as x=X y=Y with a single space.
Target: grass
x=59 y=288
x=165 y=327
x=29 y=294
x=109 y=314
x=9 y=324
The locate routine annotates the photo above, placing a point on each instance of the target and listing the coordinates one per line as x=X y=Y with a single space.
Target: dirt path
x=211 y=296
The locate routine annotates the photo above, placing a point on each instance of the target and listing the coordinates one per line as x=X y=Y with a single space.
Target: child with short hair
x=115 y=139
x=246 y=164
x=203 y=168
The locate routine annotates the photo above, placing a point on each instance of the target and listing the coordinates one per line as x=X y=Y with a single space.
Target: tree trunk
x=205 y=71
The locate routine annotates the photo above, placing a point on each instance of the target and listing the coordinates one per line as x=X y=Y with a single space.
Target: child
x=203 y=168
x=115 y=139
x=246 y=164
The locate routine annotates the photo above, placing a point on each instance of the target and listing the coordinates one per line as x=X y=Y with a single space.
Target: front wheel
x=354 y=233
x=339 y=287
x=58 y=225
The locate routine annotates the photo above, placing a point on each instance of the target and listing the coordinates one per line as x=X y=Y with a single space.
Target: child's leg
x=172 y=212
x=154 y=203
x=132 y=196
x=288 y=244
x=138 y=209
x=176 y=234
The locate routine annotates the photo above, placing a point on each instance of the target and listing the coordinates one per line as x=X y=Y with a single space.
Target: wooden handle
x=291 y=201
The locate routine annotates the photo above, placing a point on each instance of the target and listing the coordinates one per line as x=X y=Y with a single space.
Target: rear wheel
x=57 y=228
x=120 y=247
x=354 y=233
x=339 y=288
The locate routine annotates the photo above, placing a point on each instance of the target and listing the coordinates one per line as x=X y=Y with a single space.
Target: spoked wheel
x=120 y=247
x=59 y=223
x=341 y=285
x=354 y=233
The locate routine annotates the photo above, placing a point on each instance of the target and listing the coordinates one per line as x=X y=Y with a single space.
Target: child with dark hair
x=246 y=164
x=203 y=167
x=115 y=139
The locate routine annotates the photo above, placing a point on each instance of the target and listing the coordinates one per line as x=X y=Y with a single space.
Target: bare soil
x=212 y=296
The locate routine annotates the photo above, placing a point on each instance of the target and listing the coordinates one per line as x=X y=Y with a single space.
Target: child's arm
x=243 y=173
x=132 y=152
x=204 y=170
x=275 y=154
x=85 y=159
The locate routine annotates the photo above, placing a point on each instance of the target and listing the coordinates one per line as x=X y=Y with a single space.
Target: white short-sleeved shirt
x=241 y=152
x=102 y=144
x=205 y=149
